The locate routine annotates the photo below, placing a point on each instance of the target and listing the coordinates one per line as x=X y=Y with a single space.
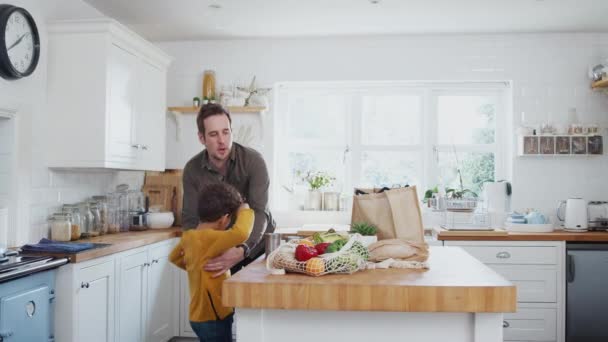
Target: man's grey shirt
x=247 y=172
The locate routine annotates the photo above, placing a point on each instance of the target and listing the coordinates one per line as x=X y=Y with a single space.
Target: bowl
x=160 y=220
x=529 y=228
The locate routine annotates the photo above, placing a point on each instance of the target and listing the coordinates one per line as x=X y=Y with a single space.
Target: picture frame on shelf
x=531 y=145
x=547 y=145
x=562 y=145
x=595 y=145
x=579 y=145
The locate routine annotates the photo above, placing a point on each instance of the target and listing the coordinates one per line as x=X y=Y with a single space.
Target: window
x=386 y=134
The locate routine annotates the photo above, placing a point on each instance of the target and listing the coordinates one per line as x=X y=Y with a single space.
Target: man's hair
x=207 y=111
x=217 y=200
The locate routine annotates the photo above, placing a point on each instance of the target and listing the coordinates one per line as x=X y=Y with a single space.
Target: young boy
x=217 y=204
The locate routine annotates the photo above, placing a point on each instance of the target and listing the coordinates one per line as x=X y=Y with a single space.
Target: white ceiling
x=163 y=20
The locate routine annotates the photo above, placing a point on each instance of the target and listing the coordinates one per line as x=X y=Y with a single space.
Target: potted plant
x=196 y=101
x=316 y=181
x=205 y=100
x=367 y=230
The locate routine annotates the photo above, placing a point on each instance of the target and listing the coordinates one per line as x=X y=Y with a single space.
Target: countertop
x=120 y=242
x=556 y=235
x=455 y=282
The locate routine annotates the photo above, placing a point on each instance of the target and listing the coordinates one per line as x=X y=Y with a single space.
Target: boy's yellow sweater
x=200 y=245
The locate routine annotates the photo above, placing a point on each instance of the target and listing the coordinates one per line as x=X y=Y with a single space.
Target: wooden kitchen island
x=457 y=299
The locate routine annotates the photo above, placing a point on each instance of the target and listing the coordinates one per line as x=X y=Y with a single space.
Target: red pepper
x=321 y=247
x=303 y=252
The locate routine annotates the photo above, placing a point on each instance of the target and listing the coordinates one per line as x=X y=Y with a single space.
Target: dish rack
x=456 y=205
x=465 y=220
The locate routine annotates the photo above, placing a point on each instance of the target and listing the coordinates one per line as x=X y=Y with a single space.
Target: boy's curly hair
x=217 y=200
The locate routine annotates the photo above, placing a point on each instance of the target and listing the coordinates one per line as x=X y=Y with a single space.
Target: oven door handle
x=570 y=268
x=4 y=334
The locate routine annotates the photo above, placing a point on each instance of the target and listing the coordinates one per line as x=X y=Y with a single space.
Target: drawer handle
x=146 y=264
x=505 y=324
x=503 y=255
x=144 y=147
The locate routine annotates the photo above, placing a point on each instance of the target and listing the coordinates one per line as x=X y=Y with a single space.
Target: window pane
x=380 y=169
x=319 y=119
x=391 y=120
x=330 y=162
x=476 y=168
x=466 y=119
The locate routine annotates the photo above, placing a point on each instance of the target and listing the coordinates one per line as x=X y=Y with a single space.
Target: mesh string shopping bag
x=351 y=258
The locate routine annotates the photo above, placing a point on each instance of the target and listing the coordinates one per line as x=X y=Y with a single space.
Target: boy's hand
x=243 y=206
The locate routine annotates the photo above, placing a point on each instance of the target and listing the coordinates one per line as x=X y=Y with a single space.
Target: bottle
x=209 y=84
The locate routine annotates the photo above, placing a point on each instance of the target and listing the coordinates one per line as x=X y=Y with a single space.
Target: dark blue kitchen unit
x=26 y=308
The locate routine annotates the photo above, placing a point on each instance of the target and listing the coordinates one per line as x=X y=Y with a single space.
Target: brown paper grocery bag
x=396 y=213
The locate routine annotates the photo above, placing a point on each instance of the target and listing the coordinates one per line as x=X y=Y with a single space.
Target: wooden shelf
x=603 y=84
x=231 y=109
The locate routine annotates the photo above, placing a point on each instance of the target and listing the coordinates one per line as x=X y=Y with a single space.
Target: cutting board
x=162 y=196
x=173 y=178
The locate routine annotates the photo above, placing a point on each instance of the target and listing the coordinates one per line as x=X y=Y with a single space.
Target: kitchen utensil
x=159 y=220
x=575 y=214
x=272 y=241
x=598 y=215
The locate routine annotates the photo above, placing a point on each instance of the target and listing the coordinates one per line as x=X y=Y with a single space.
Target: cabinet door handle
x=84 y=285
x=503 y=255
x=136 y=146
x=505 y=324
x=155 y=261
x=144 y=147
x=146 y=264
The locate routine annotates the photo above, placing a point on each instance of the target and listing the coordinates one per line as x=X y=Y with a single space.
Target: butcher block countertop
x=556 y=235
x=455 y=282
x=120 y=242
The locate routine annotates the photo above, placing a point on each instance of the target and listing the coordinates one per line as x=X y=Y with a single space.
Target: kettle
x=575 y=217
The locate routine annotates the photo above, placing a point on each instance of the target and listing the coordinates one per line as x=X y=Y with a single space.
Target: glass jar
x=76 y=220
x=123 y=207
x=86 y=220
x=209 y=85
x=61 y=227
x=113 y=214
x=102 y=204
x=96 y=227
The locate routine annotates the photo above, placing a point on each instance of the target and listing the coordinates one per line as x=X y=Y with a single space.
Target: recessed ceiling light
x=215 y=6
x=374 y=2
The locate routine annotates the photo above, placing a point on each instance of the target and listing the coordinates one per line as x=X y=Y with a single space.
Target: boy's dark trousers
x=214 y=331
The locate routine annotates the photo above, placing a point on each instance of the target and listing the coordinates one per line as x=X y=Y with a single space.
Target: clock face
x=19 y=40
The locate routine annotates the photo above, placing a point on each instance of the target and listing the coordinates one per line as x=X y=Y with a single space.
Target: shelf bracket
x=178 y=125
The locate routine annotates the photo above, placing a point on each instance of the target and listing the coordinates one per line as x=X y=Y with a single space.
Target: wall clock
x=19 y=43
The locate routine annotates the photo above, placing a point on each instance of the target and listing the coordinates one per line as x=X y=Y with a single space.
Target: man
x=240 y=166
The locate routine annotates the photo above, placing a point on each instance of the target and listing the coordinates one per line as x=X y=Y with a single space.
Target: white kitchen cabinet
x=106 y=97
x=130 y=296
x=162 y=300
x=537 y=269
x=84 y=304
x=185 y=330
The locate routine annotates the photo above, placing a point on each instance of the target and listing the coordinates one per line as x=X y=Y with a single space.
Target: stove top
x=15 y=265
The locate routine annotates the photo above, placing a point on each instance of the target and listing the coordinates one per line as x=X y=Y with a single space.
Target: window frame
x=429 y=91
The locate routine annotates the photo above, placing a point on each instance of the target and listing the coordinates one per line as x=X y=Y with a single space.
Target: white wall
x=548 y=72
x=41 y=191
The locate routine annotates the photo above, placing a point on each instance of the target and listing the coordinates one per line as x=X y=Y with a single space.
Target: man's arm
x=190 y=218
x=236 y=235
x=258 y=200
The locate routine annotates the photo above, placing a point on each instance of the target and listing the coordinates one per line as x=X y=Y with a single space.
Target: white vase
x=314 y=200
